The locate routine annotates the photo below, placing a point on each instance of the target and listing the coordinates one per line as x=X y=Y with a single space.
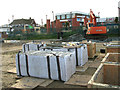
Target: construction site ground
x=8 y=55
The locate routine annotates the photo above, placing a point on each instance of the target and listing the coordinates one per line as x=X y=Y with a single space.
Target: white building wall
x=4 y=29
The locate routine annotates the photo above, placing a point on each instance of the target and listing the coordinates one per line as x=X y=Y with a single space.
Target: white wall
x=4 y=29
x=119 y=4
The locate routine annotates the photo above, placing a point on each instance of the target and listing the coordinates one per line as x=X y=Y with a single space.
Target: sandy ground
x=8 y=62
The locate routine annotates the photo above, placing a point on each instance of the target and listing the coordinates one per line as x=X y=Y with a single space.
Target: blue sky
x=38 y=9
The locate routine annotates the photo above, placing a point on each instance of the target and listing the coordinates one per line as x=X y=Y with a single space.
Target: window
x=58 y=17
x=0 y=35
x=82 y=20
x=78 y=19
x=90 y=24
x=37 y=29
x=73 y=15
x=63 y=16
x=68 y=16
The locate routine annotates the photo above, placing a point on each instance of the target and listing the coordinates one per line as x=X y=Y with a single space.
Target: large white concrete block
x=81 y=55
x=31 y=47
x=46 y=64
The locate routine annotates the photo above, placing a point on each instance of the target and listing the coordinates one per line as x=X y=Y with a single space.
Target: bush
x=36 y=36
x=33 y=36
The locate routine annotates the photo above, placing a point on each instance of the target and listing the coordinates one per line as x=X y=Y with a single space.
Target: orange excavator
x=92 y=27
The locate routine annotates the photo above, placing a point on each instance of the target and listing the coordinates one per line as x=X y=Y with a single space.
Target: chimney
x=12 y=17
x=8 y=21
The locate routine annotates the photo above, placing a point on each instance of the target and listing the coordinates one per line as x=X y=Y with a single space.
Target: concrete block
x=44 y=64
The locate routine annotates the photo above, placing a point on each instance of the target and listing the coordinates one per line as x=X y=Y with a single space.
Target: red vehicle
x=92 y=27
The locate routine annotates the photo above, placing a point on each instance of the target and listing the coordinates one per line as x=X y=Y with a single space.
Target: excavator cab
x=92 y=29
x=90 y=25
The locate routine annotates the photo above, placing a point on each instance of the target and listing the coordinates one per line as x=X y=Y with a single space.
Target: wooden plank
x=112 y=49
x=24 y=86
x=108 y=75
x=91 y=47
x=12 y=70
x=81 y=80
x=46 y=83
x=0 y=84
x=71 y=46
x=111 y=74
x=26 y=79
x=111 y=58
x=28 y=82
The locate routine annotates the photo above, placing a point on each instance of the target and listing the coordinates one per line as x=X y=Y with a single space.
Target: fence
x=42 y=34
x=112 y=29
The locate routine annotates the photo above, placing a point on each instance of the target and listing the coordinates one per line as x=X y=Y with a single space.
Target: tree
x=45 y=25
x=116 y=19
x=66 y=25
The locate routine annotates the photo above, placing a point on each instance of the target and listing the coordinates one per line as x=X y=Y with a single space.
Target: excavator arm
x=92 y=18
x=85 y=21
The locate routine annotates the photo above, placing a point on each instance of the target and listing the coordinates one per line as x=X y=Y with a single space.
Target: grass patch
x=67 y=34
x=113 y=35
x=32 y=36
x=36 y=36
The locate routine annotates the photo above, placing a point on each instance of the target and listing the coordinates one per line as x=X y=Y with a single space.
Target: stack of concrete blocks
x=57 y=63
x=81 y=54
x=46 y=64
x=31 y=47
x=80 y=51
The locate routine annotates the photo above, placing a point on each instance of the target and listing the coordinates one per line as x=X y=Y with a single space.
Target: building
x=106 y=20
x=4 y=31
x=37 y=29
x=23 y=24
x=74 y=18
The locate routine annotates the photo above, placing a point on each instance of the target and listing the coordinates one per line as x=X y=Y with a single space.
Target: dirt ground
x=8 y=62
x=8 y=53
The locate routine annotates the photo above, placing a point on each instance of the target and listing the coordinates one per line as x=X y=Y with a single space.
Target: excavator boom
x=92 y=17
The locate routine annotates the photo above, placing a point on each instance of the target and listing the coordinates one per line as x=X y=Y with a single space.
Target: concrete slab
x=81 y=80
